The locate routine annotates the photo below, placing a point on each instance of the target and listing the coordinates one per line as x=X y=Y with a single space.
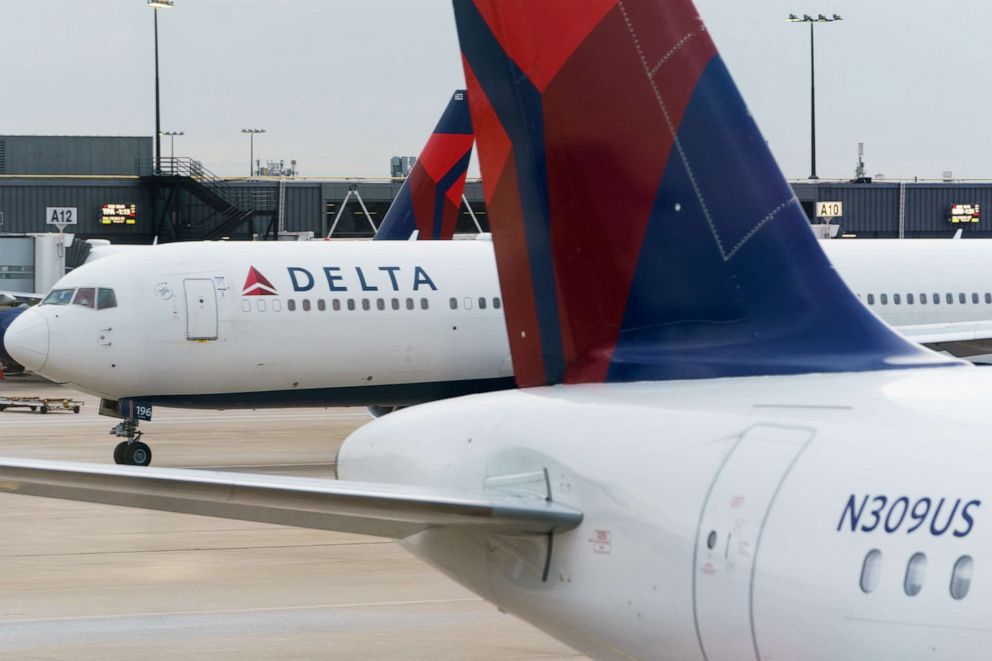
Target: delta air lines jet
x=718 y=453
x=376 y=324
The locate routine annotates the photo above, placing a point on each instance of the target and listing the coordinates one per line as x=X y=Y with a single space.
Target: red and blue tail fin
x=431 y=196
x=642 y=228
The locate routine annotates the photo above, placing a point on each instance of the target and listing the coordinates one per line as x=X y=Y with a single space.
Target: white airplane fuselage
x=816 y=517
x=383 y=323
x=342 y=323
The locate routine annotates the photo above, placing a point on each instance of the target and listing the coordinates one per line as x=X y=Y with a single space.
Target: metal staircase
x=229 y=206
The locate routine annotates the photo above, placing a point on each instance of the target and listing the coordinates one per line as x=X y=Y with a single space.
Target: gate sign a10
x=829 y=209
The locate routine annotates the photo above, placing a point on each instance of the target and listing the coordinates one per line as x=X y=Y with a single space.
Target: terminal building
x=112 y=188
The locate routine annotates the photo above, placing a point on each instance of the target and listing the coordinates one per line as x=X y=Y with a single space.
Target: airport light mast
x=251 y=154
x=156 y=5
x=812 y=80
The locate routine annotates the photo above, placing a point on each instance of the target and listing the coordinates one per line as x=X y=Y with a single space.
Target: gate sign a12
x=61 y=216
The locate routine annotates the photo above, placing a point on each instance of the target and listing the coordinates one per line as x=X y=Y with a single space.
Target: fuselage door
x=201 y=309
x=729 y=536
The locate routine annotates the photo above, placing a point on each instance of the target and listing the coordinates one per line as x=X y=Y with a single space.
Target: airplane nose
x=26 y=340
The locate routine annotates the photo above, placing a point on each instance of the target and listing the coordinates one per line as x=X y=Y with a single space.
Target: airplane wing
x=12 y=298
x=358 y=507
x=959 y=338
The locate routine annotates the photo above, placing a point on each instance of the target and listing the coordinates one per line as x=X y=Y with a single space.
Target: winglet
x=431 y=196
x=639 y=218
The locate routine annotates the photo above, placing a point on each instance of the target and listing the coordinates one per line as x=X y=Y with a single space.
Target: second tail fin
x=431 y=196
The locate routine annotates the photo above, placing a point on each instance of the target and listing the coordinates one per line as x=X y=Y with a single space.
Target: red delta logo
x=257 y=284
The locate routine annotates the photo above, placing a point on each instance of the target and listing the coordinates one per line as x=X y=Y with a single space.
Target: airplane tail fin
x=431 y=196
x=639 y=219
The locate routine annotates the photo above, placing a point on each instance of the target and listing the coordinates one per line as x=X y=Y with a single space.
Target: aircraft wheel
x=138 y=454
x=44 y=409
x=75 y=409
x=120 y=453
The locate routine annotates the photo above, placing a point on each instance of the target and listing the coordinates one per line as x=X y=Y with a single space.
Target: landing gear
x=132 y=451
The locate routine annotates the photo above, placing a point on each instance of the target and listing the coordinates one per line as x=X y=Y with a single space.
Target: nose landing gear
x=131 y=451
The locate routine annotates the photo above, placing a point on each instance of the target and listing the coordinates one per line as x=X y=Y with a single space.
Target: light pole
x=156 y=5
x=251 y=154
x=172 y=146
x=812 y=81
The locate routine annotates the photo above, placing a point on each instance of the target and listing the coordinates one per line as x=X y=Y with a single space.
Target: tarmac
x=81 y=581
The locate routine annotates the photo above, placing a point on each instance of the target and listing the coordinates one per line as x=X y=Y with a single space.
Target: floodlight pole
x=251 y=153
x=158 y=108
x=156 y=5
x=812 y=81
x=812 y=105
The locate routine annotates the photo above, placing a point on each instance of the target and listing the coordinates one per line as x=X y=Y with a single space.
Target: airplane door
x=201 y=309
x=729 y=536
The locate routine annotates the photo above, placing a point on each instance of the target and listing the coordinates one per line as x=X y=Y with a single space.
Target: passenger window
x=424 y=304
x=896 y=299
x=336 y=305
x=988 y=298
x=321 y=305
x=915 y=573
x=871 y=571
x=482 y=303
x=871 y=299
x=86 y=297
x=59 y=297
x=936 y=299
x=468 y=303
x=380 y=304
x=245 y=305
x=409 y=304
x=453 y=302
x=260 y=305
x=366 y=305
x=306 y=305
x=276 y=305
x=974 y=298
x=497 y=303
x=396 y=304
x=961 y=577
x=923 y=299
x=884 y=298
x=291 y=305
x=909 y=299
x=105 y=299
x=949 y=298
x=962 y=299
x=351 y=304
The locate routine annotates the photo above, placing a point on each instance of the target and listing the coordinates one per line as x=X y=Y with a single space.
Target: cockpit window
x=106 y=299
x=59 y=297
x=85 y=296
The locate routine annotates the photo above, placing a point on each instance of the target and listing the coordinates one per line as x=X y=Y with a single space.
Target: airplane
x=411 y=321
x=7 y=315
x=716 y=451
x=12 y=305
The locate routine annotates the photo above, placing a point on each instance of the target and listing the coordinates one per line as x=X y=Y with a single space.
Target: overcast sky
x=342 y=85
